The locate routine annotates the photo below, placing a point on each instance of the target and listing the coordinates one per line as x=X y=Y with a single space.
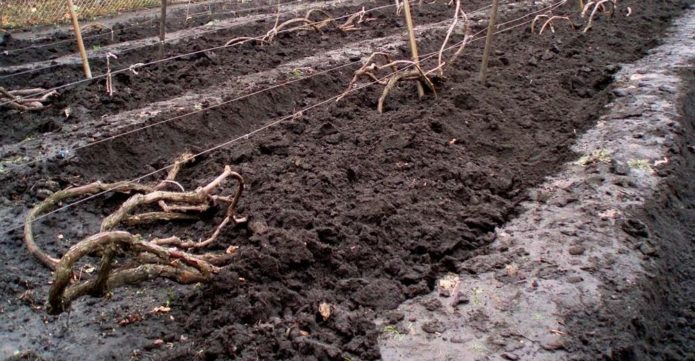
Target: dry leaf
x=325 y=311
x=161 y=309
x=231 y=250
x=512 y=269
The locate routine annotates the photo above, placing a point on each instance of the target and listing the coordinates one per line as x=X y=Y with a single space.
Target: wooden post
x=488 y=41
x=162 y=28
x=413 y=43
x=80 y=43
x=163 y=21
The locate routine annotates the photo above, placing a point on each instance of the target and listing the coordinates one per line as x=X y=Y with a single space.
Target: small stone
x=433 y=327
x=258 y=226
x=52 y=186
x=667 y=89
x=647 y=249
x=619 y=168
x=552 y=342
x=432 y=304
x=460 y=299
x=533 y=61
x=620 y=92
x=576 y=250
x=396 y=141
x=613 y=68
x=574 y=279
x=548 y=55
x=212 y=56
x=395 y=317
x=43 y=193
x=457 y=339
x=636 y=228
x=444 y=292
x=509 y=356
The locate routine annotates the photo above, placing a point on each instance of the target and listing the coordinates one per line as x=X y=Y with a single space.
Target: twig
x=597 y=5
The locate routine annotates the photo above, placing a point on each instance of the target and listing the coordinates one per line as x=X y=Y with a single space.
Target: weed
x=394 y=332
x=297 y=73
x=477 y=296
x=640 y=164
x=171 y=297
x=478 y=347
x=597 y=156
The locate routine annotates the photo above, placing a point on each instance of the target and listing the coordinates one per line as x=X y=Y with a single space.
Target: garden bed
x=347 y=206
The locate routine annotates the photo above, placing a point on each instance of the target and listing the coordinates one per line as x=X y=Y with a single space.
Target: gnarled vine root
x=17 y=99
x=406 y=69
x=150 y=258
x=603 y=5
x=314 y=19
x=550 y=18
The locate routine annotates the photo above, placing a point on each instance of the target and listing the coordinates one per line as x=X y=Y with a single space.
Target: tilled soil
x=185 y=74
x=97 y=34
x=347 y=206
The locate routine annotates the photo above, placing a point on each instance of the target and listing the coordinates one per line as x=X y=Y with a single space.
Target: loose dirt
x=349 y=207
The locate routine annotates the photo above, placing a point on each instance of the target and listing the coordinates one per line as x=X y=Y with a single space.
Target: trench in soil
x=362 y=210
x=654 y=321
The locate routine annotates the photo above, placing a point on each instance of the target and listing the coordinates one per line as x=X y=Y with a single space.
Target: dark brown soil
x=185 y=74
x=360 y=210
x=20 y=51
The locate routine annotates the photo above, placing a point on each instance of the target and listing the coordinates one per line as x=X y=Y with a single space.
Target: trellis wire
x=155 y=62
x=278 y=120
x=150 y=22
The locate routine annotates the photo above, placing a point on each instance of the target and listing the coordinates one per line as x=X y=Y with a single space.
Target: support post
x=80 y=43
x=413 y=43
x=488 y=41
x=163 y=22
x=162 y=28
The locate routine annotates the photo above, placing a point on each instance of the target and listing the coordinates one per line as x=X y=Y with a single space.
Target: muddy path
x=354 y=208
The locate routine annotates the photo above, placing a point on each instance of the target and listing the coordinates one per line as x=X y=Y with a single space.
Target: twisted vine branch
x=152 y=258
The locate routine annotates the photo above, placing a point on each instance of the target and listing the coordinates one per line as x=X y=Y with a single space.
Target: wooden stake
x=162 y=28
x=80 y=43
x=163 y=22
x=488 y=41
x=413 y=43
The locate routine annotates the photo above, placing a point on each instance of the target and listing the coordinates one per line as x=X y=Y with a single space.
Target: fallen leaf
x=161 y=309
x=325 y=310
x=132 y=318
x=231 y=250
